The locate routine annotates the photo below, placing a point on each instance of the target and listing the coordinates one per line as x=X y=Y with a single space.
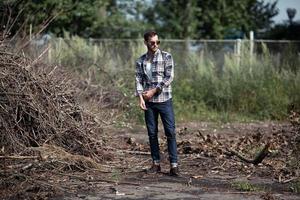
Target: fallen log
x=258 y=158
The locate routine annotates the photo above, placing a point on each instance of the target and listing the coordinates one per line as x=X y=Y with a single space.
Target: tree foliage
x=87 y=18
x=211 y=18
x=174 y=18
x=130 y=18
x=285 y=31
x=288 y=30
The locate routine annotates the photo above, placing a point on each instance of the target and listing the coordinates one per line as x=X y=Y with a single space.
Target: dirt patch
x=207 y=174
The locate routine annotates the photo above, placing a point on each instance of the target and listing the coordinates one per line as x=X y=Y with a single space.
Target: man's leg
x=168 y=120
x=151 y=119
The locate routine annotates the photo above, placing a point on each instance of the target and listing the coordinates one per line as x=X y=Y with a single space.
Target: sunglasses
x=153 y=43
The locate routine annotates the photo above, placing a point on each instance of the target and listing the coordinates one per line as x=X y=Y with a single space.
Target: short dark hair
x=149 y=34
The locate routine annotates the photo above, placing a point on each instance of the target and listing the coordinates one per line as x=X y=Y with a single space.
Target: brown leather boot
x=154 y=169
x=174 y=171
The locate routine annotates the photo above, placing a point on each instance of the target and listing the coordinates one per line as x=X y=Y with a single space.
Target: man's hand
x=142 y=103
x=147 y=95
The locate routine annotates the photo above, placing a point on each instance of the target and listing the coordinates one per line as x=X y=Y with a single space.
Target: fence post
x=251 y=44
x=95 y=51
x=238 y=45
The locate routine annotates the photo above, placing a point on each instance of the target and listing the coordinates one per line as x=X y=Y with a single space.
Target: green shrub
x=242 y=88
x=252 y=87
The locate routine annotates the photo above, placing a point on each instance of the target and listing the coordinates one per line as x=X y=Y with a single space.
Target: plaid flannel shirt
x=162 y=75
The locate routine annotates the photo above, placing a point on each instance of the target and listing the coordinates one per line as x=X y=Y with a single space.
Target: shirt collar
x=155 y=54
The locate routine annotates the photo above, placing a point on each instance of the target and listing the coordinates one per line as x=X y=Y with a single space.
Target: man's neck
x=150 y=53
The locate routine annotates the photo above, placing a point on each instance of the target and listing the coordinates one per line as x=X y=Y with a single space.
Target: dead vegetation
x=43 y=126
x=39 y=109
x=241 y=150
x=264 y=153
x=52 y=125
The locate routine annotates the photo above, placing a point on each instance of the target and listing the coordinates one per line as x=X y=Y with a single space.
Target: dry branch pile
x=40 y=108
x=42 y=126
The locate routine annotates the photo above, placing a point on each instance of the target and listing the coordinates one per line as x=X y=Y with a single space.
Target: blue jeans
x=165 y=110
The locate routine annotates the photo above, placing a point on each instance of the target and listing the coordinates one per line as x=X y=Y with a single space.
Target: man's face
x=152 y=43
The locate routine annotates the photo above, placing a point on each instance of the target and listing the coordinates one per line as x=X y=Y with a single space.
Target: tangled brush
x=39 y=106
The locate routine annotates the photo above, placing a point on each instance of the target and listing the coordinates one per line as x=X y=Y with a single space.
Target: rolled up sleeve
x=138 y=79
x=168 y=74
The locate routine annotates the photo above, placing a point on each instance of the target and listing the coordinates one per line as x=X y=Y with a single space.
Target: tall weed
x=244 y=87
x=251 y=87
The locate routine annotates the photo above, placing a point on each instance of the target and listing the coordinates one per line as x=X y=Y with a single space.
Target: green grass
x=245 y=186
x=295 y=187
x=253 y=89
x=116 y=175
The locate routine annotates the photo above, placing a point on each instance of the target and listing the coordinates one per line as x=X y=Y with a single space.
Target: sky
x=282 y=5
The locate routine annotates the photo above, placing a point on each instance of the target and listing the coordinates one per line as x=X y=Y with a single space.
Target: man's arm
x=138 y=79
x=169 y=73
x=147 y=95
x=142 y=103
x=139 y=85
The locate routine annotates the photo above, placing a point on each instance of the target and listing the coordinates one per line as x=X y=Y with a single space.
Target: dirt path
x=162 y=186
x=203 y=174
x=167 y=188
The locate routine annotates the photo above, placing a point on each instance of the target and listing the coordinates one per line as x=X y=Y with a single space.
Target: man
x=154 y=74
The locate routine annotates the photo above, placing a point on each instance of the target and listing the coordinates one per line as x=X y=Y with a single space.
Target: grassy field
x=207 y=86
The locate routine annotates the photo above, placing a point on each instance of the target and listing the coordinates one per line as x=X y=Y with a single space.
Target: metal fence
x=117 y=54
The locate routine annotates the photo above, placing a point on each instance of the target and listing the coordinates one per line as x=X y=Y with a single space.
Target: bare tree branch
x=258 y=158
